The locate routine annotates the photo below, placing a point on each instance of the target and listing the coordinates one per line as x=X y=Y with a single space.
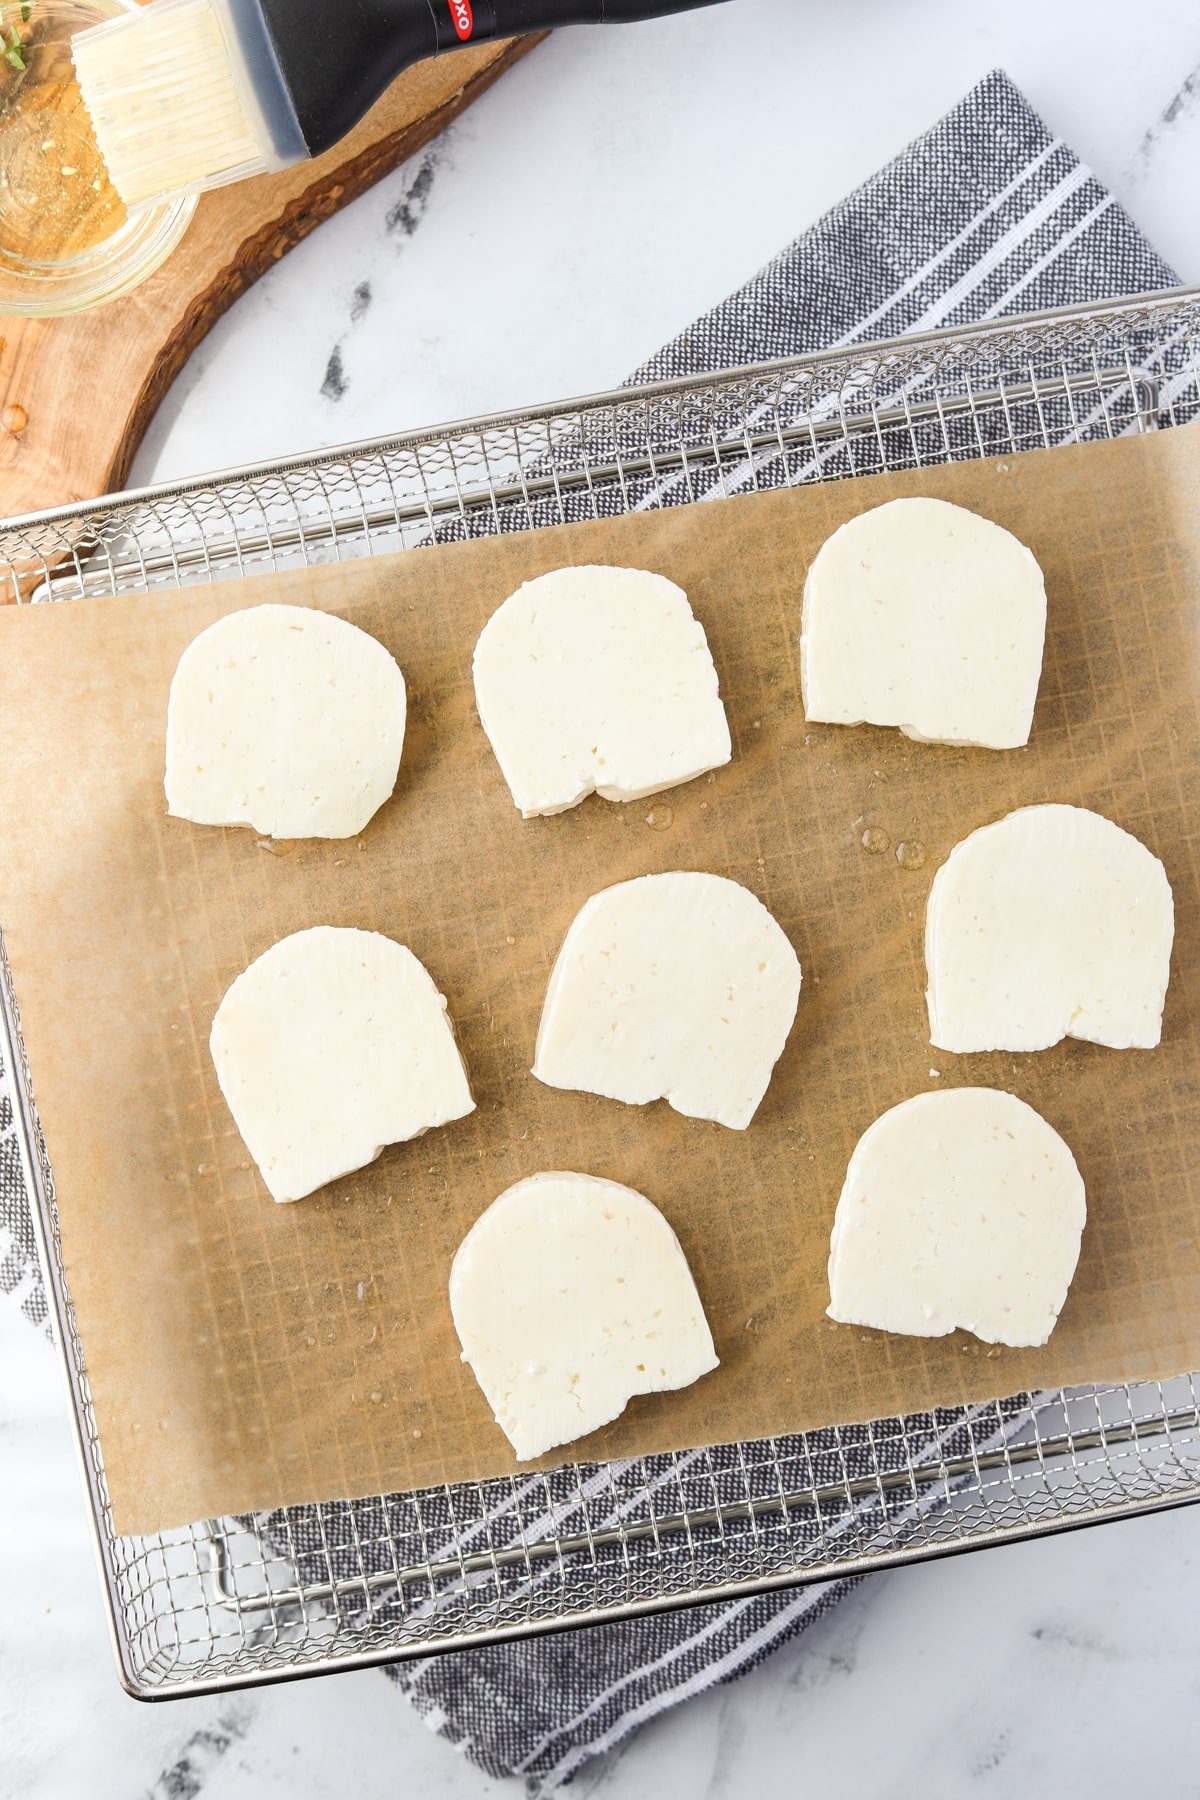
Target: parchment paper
x=243 y=1354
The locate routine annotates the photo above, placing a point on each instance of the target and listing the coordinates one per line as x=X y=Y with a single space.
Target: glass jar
x=66 y=241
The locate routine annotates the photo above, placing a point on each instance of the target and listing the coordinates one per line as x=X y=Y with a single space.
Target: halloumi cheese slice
x=570 y=1295
x=285 y=719
x=598 y=680
x=963 y=1209
x=1051 y=923
x=331 y=1045
x=679 y=987
x=923 y=615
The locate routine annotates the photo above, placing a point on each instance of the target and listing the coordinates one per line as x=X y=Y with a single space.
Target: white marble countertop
x=474 y=279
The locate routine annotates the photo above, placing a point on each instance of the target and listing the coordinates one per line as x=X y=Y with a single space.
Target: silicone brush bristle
x=164 y=102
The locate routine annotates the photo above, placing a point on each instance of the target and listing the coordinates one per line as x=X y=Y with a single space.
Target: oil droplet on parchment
x=910 y=854
x=279 y=846
x=660 y=818
x=875 y=840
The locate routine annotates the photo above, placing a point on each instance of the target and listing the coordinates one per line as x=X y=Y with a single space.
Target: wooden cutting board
x=82 y=390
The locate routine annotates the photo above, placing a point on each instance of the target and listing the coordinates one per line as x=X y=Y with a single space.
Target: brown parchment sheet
x=243 y=1354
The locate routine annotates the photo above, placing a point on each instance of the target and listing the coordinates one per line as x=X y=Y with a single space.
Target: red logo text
x=462 y=18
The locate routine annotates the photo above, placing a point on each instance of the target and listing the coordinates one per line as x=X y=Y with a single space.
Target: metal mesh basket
x=236 y=1601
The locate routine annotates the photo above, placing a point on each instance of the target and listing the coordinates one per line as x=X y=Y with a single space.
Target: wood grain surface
x=82 y=390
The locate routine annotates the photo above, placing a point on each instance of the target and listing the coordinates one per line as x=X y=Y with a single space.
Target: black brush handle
x=337 y=60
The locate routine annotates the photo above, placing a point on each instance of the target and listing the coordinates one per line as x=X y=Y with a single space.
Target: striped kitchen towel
x=987 y=214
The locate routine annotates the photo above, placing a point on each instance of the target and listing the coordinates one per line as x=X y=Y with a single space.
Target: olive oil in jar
x=56 y=200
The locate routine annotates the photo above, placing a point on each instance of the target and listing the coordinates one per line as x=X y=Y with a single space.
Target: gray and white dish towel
x=987 y=214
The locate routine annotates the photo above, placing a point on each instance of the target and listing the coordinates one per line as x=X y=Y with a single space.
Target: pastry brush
x=191 y=94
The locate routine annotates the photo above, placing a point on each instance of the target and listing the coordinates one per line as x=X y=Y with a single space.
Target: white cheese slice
x=571 y=1295
x=331 y=1045
x=1051 y=923
x=598 y=680
x=960 y=1209
x=923 y=615
x=285 y=719
x=679 y=987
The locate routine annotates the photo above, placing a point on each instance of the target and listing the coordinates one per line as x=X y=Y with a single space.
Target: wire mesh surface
x=234 y=1601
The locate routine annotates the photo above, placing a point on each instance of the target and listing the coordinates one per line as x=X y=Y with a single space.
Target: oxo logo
x=462 y=18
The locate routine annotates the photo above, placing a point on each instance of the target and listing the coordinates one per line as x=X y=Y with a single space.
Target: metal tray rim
x=358 y=449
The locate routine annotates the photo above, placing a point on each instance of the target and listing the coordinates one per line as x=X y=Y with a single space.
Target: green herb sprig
x=13 y=50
